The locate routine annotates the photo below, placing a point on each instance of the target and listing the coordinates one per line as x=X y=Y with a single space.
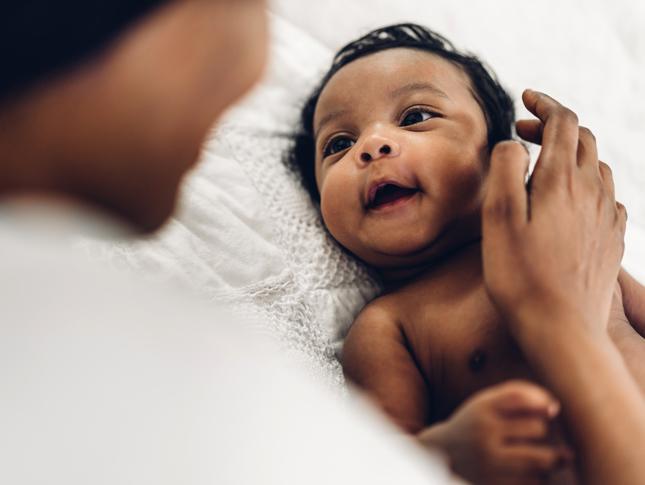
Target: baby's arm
x=497 y=436
x=377 y=359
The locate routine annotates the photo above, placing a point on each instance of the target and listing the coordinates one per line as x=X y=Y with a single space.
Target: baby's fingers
x=523 y=398
x=529 y=460
x=525 y=429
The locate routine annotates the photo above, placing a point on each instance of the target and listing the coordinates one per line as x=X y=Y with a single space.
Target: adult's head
x=109 y=102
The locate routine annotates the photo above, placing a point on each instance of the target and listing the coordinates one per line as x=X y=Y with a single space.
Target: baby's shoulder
x=393 y=315
x=380 y=313
x=373 y=338
x=378 y=321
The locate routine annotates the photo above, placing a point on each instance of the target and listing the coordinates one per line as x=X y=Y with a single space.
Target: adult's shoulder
x=108 y=377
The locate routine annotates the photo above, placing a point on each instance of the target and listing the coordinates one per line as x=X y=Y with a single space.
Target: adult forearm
x=602 y=404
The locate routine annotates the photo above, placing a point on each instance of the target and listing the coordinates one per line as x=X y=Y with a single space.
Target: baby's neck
x=394 y=278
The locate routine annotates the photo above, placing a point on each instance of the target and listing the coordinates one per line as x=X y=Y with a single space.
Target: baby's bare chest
x=461 y=345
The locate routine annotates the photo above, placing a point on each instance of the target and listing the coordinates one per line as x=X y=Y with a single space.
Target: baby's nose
x=376 y=147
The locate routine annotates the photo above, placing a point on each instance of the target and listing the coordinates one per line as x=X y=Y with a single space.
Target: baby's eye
x=415 y=116
x=337 y=145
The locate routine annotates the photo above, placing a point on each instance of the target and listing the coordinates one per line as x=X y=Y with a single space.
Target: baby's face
x=401 y=154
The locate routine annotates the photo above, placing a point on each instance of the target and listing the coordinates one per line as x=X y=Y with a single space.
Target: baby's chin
x=406 y=250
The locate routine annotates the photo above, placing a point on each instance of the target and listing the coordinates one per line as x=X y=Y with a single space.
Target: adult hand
x=551 y=259
x=552 y=249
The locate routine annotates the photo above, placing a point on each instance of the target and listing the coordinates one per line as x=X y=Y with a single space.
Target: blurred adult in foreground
x=103 y=108
x=105 y=378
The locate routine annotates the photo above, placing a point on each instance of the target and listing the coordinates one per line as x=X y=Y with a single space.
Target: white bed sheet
x=246 y=231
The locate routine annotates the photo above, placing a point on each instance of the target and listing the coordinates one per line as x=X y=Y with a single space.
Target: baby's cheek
x=336 y=207
x=463 y=185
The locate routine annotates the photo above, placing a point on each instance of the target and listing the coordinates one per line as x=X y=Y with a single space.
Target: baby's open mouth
x=388 y=194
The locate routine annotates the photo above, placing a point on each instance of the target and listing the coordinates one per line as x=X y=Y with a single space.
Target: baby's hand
x=500 y=435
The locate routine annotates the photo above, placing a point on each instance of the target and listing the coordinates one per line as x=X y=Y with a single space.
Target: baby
x=395 y=146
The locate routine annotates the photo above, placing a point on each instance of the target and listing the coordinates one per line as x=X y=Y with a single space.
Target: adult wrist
x=565 y=349
x=535 y=327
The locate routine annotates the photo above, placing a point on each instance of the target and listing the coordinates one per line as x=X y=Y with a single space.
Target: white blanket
x=246 y=231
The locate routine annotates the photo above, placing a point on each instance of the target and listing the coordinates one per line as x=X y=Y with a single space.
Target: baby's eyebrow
x=417 y=86
x=400 y=91
x=328 y=118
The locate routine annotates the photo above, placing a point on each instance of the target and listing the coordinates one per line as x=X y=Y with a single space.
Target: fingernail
x=535 y=92
x=553 y=409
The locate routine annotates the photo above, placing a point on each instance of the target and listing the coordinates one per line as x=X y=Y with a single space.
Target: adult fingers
x=533 y=132
x=506 y=197
x=610 y=192
x=530 y=130
x=622 y=221
x=622 y=212
x=560 y=132
x=587 y=151
x=607 y=178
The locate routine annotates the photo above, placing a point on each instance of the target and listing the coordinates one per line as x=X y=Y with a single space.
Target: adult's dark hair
x=495 y=102
x=41 y=38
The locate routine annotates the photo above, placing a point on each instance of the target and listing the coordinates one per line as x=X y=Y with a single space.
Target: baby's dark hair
x=495 y=102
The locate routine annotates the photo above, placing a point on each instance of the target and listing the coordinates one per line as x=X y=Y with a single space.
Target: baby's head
x=395 y=144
